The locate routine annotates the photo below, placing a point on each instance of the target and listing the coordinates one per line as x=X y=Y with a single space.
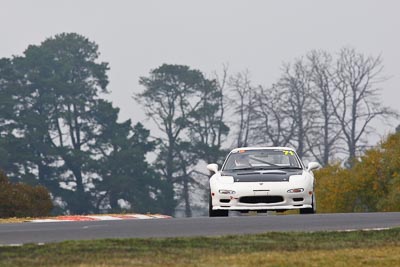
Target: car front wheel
x=311 y=210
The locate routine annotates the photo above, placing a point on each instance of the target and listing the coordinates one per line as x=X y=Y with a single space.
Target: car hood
x=262 y=175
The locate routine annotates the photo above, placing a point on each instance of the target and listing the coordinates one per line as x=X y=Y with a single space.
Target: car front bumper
x=261 y=196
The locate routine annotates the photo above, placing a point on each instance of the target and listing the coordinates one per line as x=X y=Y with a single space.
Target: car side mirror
x=212 y=167
x=312 y=166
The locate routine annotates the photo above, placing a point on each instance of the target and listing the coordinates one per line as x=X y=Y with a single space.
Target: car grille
x=261 y=199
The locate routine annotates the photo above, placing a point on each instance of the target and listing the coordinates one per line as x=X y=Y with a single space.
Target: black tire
x=216 y=213
x=311 y=210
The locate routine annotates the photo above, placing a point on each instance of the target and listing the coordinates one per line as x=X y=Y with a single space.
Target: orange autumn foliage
x=372 y=184
x=23 y=200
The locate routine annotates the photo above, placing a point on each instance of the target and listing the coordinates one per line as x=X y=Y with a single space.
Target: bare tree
x=221 y=82
x=244 y=100
x=355 y=79
x=323 y=140
x=298 y=102
x=273 y=125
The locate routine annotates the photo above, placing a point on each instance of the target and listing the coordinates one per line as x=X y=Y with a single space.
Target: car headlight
x=296 y=190
x=226 y=192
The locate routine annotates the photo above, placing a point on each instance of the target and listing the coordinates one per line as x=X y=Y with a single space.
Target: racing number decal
x=288 y=152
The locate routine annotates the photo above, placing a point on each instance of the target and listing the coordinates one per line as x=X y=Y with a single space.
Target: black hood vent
x=264 y=173
x=260 y=176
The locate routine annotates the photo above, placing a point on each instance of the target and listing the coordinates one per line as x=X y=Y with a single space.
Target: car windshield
x=262 y=159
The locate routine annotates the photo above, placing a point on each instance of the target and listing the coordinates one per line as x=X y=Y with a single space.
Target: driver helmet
x=242 y=160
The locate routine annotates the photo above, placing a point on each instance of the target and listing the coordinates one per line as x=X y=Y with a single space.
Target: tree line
x=322 y=105
x=58 y=130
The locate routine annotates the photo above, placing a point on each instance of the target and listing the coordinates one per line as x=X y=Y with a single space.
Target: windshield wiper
x=263 y=161
x=289 y=167
x=243 y=168
x=253 y=168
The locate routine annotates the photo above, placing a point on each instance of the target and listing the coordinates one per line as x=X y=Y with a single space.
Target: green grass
x=358 y=248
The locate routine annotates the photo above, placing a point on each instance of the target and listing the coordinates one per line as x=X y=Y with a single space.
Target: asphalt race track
x=20 y=233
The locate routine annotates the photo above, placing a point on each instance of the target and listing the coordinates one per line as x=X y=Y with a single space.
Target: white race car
x=262 y=179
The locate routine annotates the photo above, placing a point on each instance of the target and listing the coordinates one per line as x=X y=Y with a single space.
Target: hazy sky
x=136 y=36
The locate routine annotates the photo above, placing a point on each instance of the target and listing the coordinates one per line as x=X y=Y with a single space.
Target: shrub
x=22 y=200
x=334 y=189
x=372 y=184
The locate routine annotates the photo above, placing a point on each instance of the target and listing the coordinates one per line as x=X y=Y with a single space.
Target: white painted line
x=73 y=218
x=139 y=216
x=376 y=229
x=49 y=220
x=159 y=216
x=365 y=229
x=104 y=218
